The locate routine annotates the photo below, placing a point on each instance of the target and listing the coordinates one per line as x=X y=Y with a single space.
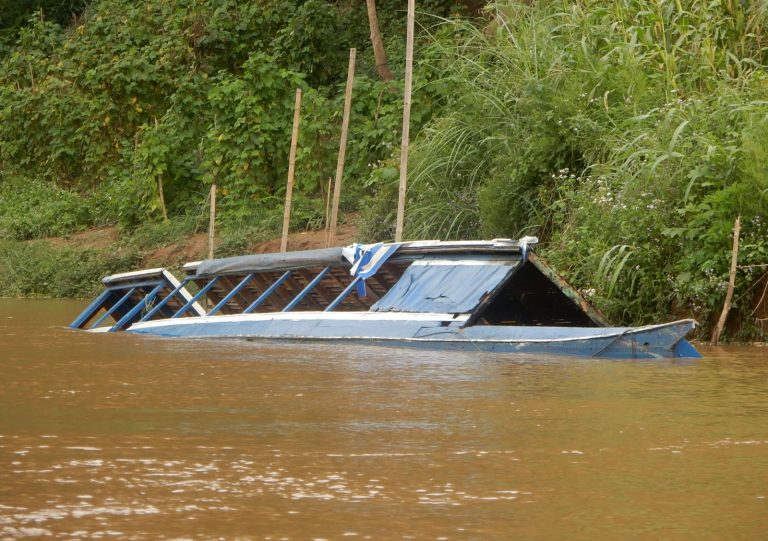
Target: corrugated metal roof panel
x=445 y=286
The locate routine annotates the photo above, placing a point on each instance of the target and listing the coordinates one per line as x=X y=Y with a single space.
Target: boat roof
x=338 y=256
x=495 y=282
x=268 y=262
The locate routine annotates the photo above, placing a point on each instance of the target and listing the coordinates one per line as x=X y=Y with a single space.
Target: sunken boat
x=493 y=296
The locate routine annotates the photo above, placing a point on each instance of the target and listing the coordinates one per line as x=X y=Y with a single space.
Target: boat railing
x=156 y=294
x=137 y=296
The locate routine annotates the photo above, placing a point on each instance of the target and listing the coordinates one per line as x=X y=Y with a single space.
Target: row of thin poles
x=330 y=208
x=332 y=204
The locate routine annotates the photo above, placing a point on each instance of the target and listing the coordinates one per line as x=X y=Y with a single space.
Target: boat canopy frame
x=137 y=296
x=472 y=276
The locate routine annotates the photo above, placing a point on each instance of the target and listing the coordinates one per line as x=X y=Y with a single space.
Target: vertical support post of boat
x=165 y=300
x=205 y=289
x=90 y=311
x=343 y=295
x=264 y=296
x=231 y=294
x=114 y=307
x=291 y=171
x=342 y=147
x=212 y=222
x=133 y=312
x=406 y=121
x=304 y=292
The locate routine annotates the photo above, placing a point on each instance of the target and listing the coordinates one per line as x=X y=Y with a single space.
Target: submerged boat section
x=474 y=295
x=132 y=297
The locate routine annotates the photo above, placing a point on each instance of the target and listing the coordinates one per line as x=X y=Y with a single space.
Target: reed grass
x=627 y=134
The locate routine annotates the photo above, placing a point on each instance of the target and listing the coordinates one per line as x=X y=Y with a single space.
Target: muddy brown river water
x=122 y=437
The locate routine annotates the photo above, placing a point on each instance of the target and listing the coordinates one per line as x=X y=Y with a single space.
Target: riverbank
x=72 y=266
x=629 y=157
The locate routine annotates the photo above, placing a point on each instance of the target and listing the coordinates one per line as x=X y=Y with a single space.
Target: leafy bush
x=155 y=235
x=143 y=96
x=38 y=269
x=32 y=209
x=14 y=16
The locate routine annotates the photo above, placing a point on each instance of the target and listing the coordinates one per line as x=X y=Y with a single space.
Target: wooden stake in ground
x=160 y=187
x=406 y=121
x=291 y=169
x=162 y=197
x=731 y=283
x=327 y=214
x=342 y=147
x=212 y=222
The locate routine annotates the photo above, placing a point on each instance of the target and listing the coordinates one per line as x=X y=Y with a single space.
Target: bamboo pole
x=160 y=187
x=731 y=283
x=291 y=170
x=162 y=197
x=212 y=222
x=406 y=121
x=327 y=215
x=342 y=146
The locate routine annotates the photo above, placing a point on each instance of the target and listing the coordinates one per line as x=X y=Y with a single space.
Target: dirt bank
x=195 y=247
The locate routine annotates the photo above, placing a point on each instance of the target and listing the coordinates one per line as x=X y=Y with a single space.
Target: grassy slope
x=72 y=265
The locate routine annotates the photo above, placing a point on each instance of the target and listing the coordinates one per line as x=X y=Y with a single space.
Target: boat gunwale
x=600 y=332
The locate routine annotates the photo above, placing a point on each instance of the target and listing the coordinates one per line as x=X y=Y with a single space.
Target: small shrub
x=38 y=269
x=154 y=235
x=32 y=209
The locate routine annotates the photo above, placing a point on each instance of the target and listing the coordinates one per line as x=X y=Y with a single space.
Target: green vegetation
x=39 y=269
x=99 y=110
x=151 y=92
x=139 y=95
x=627 y=135
x=14 y=15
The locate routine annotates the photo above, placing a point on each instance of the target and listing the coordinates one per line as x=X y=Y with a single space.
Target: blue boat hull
x=437 y=331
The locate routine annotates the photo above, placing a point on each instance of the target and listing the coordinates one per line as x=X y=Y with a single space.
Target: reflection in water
x=114 y=436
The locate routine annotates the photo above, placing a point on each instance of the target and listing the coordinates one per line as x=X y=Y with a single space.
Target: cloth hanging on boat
x=367 y=259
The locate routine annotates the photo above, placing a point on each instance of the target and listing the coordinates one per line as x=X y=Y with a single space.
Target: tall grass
x=627 y=134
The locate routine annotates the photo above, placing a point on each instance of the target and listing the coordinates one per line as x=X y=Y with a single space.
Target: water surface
x=122 y=437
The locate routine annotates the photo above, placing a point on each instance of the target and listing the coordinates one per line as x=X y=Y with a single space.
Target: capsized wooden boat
x=468 y=295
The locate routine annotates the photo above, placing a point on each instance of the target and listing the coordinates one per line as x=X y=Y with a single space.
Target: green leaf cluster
x=139 y=99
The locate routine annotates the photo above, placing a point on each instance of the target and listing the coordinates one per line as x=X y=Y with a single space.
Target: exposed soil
x=99 y=238
x=306 y=240
x=195 y=247
x=192 y=248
